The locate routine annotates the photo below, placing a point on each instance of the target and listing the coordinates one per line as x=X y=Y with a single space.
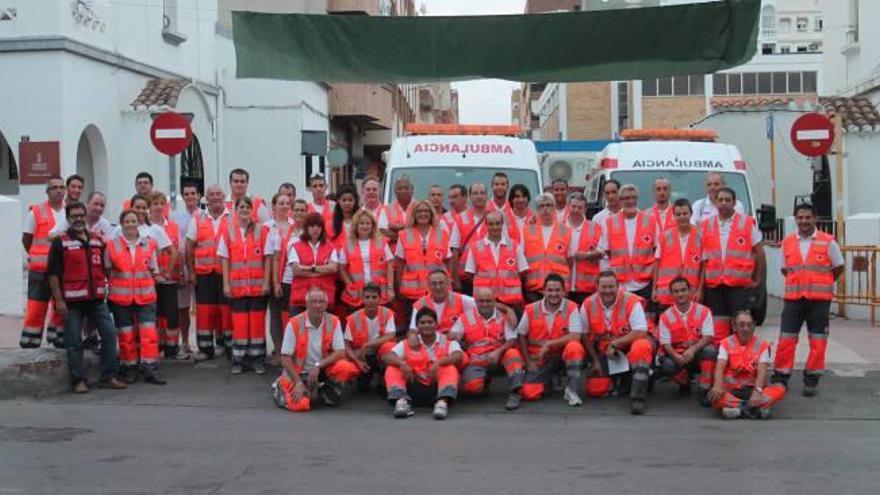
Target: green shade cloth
x=577 y=46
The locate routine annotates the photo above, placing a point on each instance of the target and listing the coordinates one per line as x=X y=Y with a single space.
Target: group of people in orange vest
x=429 y=300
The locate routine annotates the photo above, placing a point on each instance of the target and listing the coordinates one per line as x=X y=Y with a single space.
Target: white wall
x=262 y=121
x=748 y=132
x=848 y=67
x=12 y=288
x=862 y=172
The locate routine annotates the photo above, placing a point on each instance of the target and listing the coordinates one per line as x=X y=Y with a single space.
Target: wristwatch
x=760 y=390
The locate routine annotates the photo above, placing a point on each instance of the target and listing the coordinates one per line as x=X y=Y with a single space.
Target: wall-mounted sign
x=38 y=161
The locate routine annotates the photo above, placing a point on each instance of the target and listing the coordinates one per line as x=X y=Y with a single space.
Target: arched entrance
x=8 y=168
x=192 y=165
x=91 y=159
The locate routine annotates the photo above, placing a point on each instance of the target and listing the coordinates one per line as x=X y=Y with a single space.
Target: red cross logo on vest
x=438 y=254
x=96 y=259
x=257 y=251
x=510 y=262
x=646 y=238
x=695 y=258
x=560 y=247
x=741 y=241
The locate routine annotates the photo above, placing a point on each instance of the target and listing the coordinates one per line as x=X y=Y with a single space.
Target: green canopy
x=578 y=46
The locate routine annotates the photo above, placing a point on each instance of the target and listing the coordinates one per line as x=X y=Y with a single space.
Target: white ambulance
x=447 y=154
x=684 y=156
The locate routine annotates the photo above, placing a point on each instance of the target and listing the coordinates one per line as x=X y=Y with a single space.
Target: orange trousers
x=476 y=370
x=572 y=357
x=639 y=353
x=248 y=329
x=423 y=390
x=213 y=315
x=39 y=309
x=138 y=337
x=739 y=398
x=342 y=371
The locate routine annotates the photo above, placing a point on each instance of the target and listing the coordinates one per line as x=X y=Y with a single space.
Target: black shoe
x=684 y=390
x=155 y=379
x=329 y=396
x=810 y=389
x=130 y=376
x=704 y=398
x=638 y=407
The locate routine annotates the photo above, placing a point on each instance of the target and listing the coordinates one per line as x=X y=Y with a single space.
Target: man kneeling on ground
x=313 y=358
x=490 y=346
x=422 y=369
x=686 y=332
x=740 y=388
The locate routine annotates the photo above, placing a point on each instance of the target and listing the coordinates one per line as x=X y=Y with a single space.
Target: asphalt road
x=209 y=432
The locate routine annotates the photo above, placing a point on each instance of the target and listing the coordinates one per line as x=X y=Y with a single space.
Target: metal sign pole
x=172 y=181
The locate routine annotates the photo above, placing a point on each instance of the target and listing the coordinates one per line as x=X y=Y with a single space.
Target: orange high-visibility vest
x=687 y=331
x=419 y=262
x=246 y=269
x=301 y=285
x=131 y=281
x=736 y=269
x=586 y=272
x=670 y=218
x=672 y=265
x=300 y=331
x=420 y=361
x=282 y=255
x=326 y=214
x=44 y=221
x=742 y=361
x=544 y=261
x=205 y=252
x=356 y=323
x=639 y=265
x=173 y=232
x=501 y=276
x=513 y=228
x=540 y=331
x=479 y=336
x=355 y=270
x=451 y=312
x=397 y=215
x=603 y=333
x=811 y=279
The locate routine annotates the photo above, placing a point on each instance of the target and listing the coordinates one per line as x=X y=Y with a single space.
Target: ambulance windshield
x=425 y=177
x=685 y=184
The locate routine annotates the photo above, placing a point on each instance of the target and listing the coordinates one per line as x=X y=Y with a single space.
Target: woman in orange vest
x=422 y=369
x=282 y=229
x=813 y=262
x=171 y=268
x=740 y=384
x=365 y=257
x=245 y=252
x=131 y=260
x=421 y=248
x=680 y=254
x=314 y=262
x=298 y=215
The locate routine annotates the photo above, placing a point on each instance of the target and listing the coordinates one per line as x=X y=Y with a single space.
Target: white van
x=684 y=156
x=447 y=154
x=685 y=161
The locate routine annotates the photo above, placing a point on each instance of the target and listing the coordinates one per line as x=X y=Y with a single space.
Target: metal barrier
x=777 y=234
x=858 y=283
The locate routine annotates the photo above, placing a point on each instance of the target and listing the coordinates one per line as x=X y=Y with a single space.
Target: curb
x=34 y=372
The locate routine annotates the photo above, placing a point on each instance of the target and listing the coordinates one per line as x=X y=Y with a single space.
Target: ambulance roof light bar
x=460 y=129
x=706 y=135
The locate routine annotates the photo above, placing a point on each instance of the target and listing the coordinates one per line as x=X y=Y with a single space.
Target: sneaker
x=637 y=407
x=572 y=397
x=130 y=376
x=513 y=402
x=731 y=413
x=403 y=409
x=201 y=356
x=764 y=413
x=260 y=369
x=441 y=409
x=80 y=387
x=329 y=395
x=236 y=369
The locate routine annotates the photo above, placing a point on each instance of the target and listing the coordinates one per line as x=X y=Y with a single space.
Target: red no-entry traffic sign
x=812 y=134
x=170 y=133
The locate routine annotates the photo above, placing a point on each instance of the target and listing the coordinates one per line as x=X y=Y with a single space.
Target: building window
x=852 y=25
x=170 y=31
x=794 y=82
x=622 y=106
x=734 y=84
x=801 y=49
x=818 y=24
x=779 y=84
x=784 y=49
x=802 y=23
x=685 y=85
x=815 y=47
x=768 y=21
x=785 y=25
x=765 y=83
x=767 y=48
x=719 y=83
x=750 y=83
x=809 y=82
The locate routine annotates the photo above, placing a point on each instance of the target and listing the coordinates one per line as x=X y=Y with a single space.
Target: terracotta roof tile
x=858 y=113
x=160 y=93
x=758 y=101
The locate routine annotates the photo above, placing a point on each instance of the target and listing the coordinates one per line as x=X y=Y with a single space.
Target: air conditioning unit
x=569 y=166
